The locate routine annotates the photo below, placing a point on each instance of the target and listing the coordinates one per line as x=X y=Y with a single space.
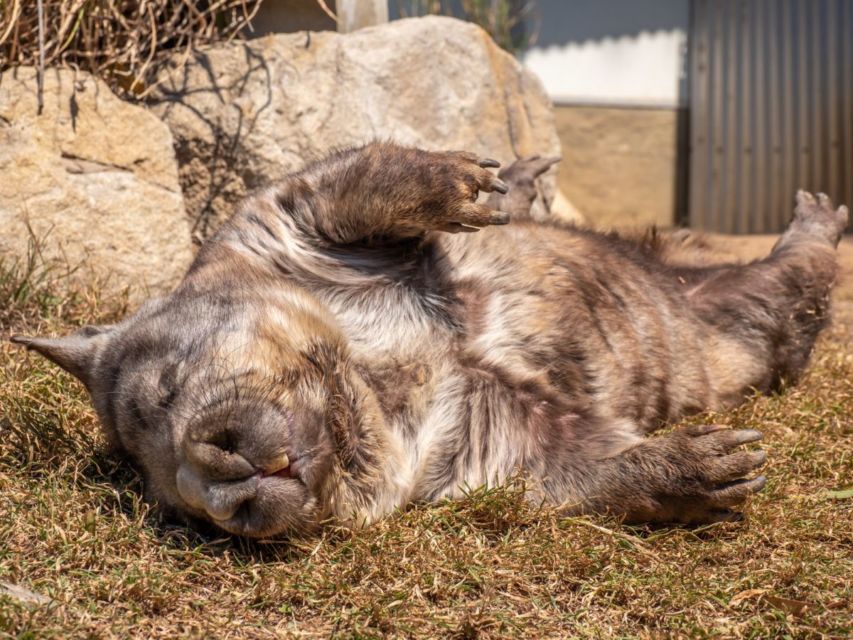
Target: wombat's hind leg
x=770 y=312
x=693 y=475
x=521 y=177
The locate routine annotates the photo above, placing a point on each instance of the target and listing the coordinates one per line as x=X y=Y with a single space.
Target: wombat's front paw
x=459 y=177
x=819 y=216
x=700 y=478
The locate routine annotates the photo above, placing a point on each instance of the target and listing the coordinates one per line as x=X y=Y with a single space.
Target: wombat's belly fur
x=338 y=350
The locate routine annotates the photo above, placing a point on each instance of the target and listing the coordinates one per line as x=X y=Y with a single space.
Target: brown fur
x=334 y=324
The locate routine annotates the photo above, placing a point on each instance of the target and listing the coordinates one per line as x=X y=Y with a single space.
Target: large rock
x=92 y=180
x=244 y=113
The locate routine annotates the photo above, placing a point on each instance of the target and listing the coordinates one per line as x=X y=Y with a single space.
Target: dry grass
x=73 y=528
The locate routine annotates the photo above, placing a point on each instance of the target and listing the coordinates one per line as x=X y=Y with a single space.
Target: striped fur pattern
x=347 y=344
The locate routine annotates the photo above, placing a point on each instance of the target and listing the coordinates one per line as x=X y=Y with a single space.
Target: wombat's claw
x=499 y=185
x=473 y=216
x=488 y=181
x=735 y=492
x=485 y=180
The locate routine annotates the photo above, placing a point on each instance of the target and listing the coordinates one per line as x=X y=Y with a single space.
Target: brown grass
x=74 y=528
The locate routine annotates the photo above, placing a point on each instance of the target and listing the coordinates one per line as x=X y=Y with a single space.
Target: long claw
x=735 y=466
x=458 y=227
x=824 y=201
x=733 y=493
x=705 y=429
x=747 y=435
x=500 y=186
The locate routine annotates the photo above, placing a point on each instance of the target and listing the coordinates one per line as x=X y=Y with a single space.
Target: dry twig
x=118 y=40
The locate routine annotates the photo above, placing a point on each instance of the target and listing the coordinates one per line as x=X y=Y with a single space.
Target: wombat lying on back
x=335 y=352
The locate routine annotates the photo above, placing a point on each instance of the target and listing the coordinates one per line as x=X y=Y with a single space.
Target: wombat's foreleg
x=693 y=475
x=386 y=192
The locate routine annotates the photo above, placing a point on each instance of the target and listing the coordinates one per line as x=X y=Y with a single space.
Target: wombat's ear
x=74 y=353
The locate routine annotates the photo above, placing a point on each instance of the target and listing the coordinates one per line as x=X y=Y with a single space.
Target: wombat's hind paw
x=526 y=170
x=818 y=216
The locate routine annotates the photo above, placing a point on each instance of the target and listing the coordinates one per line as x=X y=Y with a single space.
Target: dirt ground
x=619 y=165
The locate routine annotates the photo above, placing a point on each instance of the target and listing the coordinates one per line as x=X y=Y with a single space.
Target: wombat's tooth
x=277 y=464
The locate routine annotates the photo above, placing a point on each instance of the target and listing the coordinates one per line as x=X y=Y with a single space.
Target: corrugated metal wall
x=771 y=109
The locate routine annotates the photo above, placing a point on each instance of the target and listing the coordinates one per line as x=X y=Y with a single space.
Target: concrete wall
x=622 y=52
x=616 y=69
x=619 y=165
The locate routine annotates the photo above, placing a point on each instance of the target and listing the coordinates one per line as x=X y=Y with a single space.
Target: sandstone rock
x=93 y=180
x=564 y=210
x=245 y=113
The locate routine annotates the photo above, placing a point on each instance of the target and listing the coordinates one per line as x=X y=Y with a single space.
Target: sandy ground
x=637 y=145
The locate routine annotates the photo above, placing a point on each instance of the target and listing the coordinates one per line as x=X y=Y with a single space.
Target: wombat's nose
x=220 y=500
x=216 y=456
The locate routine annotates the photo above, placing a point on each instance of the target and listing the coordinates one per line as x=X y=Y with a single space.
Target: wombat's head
x=238 y=415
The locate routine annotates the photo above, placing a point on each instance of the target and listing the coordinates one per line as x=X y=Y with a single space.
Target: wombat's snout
x=228 y=458
x=219 y=500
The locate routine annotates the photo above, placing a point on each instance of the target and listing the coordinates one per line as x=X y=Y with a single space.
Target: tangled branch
x=118 y=40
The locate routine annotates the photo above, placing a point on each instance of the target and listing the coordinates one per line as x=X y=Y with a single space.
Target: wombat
x=346 y=344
